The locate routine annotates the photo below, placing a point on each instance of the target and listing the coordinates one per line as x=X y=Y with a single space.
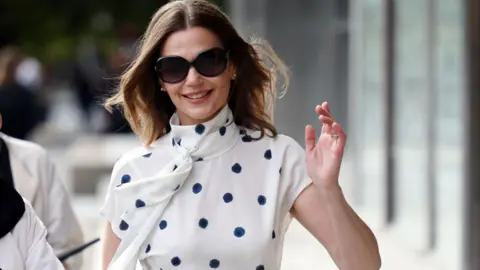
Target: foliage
x=51 y=29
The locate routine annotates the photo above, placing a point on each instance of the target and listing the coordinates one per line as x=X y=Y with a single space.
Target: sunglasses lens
x=211 y=63
x=172 y=69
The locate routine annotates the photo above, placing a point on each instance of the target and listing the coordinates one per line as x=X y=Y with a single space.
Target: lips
x=198 y=95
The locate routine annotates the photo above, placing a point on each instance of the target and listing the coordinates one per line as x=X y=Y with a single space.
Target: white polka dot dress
x=231 y=211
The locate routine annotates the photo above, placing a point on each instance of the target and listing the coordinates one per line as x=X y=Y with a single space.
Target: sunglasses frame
x=192 y=63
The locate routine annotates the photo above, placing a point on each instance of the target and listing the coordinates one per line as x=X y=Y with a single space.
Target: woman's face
x=197 y=97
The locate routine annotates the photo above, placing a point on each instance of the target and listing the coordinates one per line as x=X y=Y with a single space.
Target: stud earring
x=234 y=76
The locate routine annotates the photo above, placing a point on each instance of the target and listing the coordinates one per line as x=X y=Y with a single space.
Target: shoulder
x=280 y=143
x=19 y=147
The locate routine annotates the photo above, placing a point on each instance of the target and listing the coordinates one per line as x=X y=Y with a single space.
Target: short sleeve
x=113 y=207
x=293 y=174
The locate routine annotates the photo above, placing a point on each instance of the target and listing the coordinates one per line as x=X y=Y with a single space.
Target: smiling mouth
x=199 y=95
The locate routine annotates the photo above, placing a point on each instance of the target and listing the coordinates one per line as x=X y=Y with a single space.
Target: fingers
x=309 y=138
x=323 y=110
x=338 y=130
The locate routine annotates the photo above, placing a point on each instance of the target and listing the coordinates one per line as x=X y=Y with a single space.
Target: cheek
x=223 y=84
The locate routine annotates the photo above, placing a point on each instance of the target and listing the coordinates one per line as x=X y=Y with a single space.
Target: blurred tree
x=51 y=29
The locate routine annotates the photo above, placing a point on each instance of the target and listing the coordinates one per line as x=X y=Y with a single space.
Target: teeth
x=197 y=96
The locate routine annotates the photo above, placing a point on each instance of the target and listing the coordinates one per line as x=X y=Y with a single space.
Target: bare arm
x=327 y=215
x=110 y=245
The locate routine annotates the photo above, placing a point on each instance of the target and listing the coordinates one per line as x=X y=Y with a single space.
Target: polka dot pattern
x=236 y=168
x=176 y=261
x=209 y=209
x=222 y=131
x=126 y=178
x=228 y=197
x=163 y=224
x=239 y=232
x=139 y=203
x=199 y=129
x=123 y=226
x=197 y=188
x=268 y=154
x=214 y=263
x=262 y=200
x=203 y=223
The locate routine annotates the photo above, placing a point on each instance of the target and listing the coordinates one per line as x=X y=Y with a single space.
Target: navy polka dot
x=243 y=132
x=176 y=261
x=214 y=263
x=239 y=232
x=247 y=138
x=123 y=226
x=260 y=267
x=280 y=171
x=199 y=129
x=222 y=130
x=148 y=248
x=139 y=203
x=227 y=120
x=163 y=225
x=228 y=197
x=268 y=154
x=177 y=188
x=273 y=234
x=147 y=155
x=197 y=188
x=262 y=200
x=173 y=141
x=203 y=223
x=126 y=178
x=175 y=167
x=179 y=142
x=199 y=159
x=236 y=168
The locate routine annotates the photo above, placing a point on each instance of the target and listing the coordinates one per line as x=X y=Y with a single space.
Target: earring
x=234 y=76
x=162 y=89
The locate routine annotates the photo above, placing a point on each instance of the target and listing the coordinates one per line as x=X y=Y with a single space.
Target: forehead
x=190 y=42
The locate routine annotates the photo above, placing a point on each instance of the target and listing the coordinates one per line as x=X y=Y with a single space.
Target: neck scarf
x=147 y=198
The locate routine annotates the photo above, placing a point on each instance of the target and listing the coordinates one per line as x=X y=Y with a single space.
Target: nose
x=193 y=77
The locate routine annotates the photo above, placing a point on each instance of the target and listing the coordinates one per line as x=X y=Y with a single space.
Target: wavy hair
x=253 y=92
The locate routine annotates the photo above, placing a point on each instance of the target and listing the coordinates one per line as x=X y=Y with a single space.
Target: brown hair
x=253 y=93
x=9 y=59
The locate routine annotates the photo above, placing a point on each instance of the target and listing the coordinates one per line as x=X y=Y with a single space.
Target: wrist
x=329 y=190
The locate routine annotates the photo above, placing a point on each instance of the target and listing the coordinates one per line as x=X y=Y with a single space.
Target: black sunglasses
x=209 y=63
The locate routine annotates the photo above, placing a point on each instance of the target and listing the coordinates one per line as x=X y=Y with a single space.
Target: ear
x=232 y=71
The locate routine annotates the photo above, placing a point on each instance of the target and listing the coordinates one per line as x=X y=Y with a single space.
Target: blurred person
x=21 y=112
x=215 y=185
x=23 y=244
x=29 y=169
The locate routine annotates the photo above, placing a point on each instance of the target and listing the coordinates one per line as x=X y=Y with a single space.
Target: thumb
x=309 y=138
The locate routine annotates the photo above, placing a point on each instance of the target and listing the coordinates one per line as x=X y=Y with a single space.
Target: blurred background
x=401 y=77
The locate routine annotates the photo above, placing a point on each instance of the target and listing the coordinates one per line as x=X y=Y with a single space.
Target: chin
x=200 y=114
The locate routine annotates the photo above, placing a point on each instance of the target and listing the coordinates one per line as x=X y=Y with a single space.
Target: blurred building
x=402 y=76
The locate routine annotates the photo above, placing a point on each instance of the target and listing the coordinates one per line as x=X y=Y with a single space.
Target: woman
x=23 y=244
x=215 y=185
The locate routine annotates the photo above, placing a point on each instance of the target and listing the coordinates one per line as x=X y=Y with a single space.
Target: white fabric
x=26 y=248
x=225 y=181
x=37 y=179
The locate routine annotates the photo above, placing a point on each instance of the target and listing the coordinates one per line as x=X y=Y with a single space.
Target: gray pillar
x=305 y=35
